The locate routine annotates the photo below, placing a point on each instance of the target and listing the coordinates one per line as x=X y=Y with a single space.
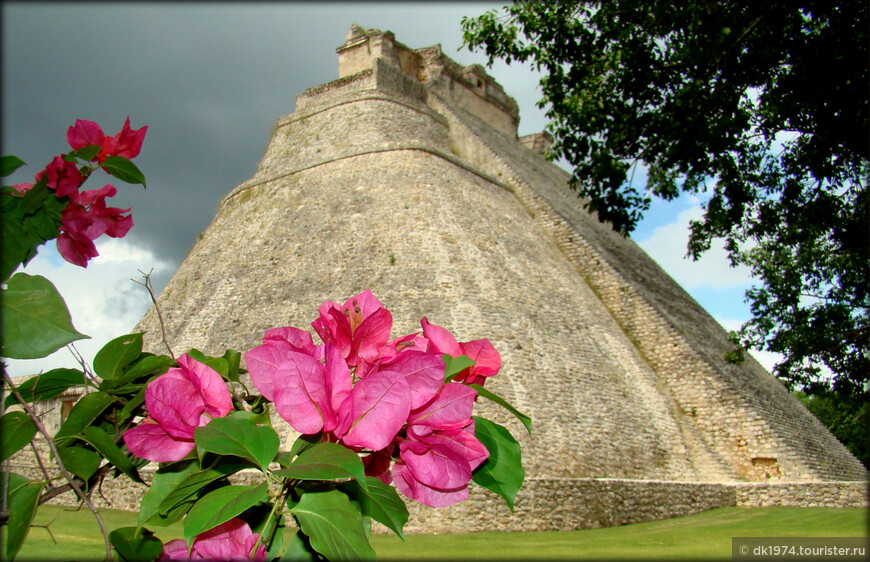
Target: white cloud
x=103 y=301
x=667 y=245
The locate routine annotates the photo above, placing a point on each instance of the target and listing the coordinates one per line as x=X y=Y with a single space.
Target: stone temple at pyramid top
x=466 y=86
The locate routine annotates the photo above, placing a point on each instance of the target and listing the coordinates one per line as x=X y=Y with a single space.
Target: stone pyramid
x=405 y=176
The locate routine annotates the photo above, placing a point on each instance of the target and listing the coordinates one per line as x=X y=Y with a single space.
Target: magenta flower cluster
x=384 y=398
x=86 y=216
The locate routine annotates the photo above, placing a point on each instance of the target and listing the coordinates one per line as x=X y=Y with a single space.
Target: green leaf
x=326 y=461
x=116 y=355
x=35 y=320
x=164 y=482
x=381 y=502
x=299 y=549
x=47 y=385
x=333 y=525
x=526 y=420
x=27 y=221
x=302 y=443
x=219 y=364
x=135 y=544
x=83 y=413
x=274 y=548
x=235 y=435
x=104 y=444
x=86 y=153
x=123 y=169
x=220 y=506
x=455 y=365
x=23 y=499
x=132 y=405
x=233 y=359
x=8 y=165
x=80 y=461
x=16 y=431
x=503 y=471
x=146 y=365
x=188 y=490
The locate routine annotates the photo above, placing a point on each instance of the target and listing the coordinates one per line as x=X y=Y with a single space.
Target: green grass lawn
x=705 y=536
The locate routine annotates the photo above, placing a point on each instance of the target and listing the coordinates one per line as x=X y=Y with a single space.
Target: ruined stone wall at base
x=556 y=504
x=801 y=494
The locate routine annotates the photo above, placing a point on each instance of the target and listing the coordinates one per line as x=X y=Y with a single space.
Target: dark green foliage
x=763 y=106
x=848 y=419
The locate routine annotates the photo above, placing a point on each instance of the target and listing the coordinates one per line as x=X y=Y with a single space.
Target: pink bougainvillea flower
x=75 y=247
x=423 y=371
x=61 y=176
x=450 y=409
x=22 y=187
x=374 y=412
x=435 y=468
x=359 y=329
x=85 y=133
x=307 y=383
x=232 y=540
x=127 y=143
x=264 y=359
x=487 y=360
x=85 y=219
x=179 y=401
x=378 y=463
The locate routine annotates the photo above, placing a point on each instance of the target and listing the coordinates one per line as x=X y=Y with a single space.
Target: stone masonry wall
x=547 y=504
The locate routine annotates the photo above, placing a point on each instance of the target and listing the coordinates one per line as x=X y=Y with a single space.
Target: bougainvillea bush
x=378 y=417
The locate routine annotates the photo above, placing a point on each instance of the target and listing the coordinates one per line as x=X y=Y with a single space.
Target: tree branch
x=147 y=284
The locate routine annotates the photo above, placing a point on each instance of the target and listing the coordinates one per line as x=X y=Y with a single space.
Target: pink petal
x=299 y=340
x=451 y=408
x=76 y=248
x=148 y=440
x=333 y=327
x=214 y=391
x=92 y=196
x=375 y=411
x=174 y=402
x=424 y=373
x=437 y=467
x=366 y=301
x=23 y=187
x=84 y=133
x=338 y=379
x=301 y=394
x=440 y=340
x=175 y=549
x=262 y=362
x=231 y=540
x=461 y=442
x=487 y=360
x=127 y=142
x=410 y=487
x=377 y=464
x=373 y=334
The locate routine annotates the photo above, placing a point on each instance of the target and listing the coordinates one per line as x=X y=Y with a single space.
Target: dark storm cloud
x=209 y=80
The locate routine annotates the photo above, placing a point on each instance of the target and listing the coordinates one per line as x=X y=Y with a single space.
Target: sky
x=210 y=80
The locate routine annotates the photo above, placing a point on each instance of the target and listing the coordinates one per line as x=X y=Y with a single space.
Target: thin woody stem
x=69 y=478
x=147 y=284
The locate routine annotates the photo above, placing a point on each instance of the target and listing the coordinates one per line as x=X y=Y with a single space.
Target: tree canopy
x=761 y=107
